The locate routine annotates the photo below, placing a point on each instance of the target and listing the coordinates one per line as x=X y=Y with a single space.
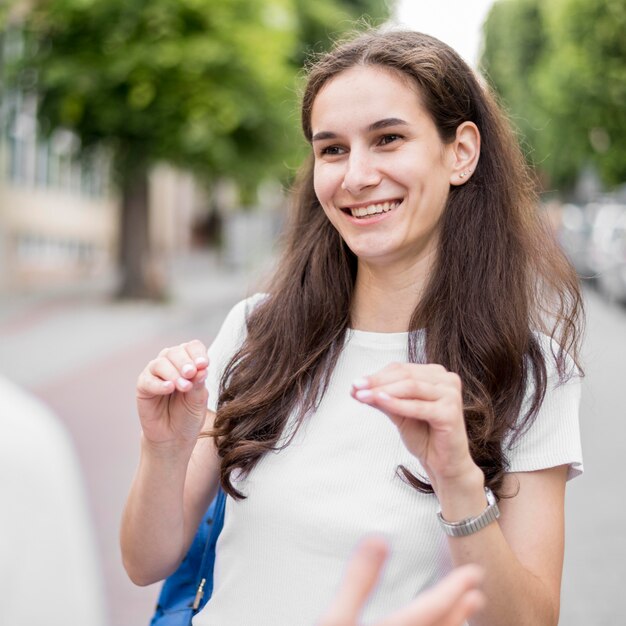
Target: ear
x=465 y=151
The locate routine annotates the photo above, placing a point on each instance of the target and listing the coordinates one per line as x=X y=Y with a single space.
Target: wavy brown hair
x=499 y=278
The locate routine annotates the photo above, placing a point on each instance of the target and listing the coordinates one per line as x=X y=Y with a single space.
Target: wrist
x=462 y=496
x=174 y=451
x=472 y=524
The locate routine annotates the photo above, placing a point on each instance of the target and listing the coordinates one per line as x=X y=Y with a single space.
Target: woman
x=413 y=361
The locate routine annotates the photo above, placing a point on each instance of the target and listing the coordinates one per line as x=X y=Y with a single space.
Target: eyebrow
x=390 y=121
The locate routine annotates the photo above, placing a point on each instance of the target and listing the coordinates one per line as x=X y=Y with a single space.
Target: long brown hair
x=498 y=280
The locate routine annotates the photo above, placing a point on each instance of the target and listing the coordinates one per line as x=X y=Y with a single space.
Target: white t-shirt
x=283 y=550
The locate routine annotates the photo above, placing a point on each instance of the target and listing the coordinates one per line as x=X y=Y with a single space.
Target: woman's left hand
x=426 y=404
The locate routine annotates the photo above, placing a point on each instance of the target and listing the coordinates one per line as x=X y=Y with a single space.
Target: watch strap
x=471 y=525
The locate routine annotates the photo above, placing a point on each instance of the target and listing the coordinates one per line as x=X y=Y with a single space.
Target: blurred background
x=145 y=150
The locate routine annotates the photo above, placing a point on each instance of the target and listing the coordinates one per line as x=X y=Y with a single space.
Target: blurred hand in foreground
x=449 y=603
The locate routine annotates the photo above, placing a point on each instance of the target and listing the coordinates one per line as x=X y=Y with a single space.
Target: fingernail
x=360 y=383
x=188 y=370
x=167 y=384
x=201 y=361
x=364 y=394
x=183 y=383
x=383 y=395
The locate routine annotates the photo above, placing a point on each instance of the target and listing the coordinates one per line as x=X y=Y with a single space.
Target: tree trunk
x=140 y=278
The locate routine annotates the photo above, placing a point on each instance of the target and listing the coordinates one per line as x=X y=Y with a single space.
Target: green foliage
x=560 y=67
x=200 y=84
x=322 y=21
x=587 y=72
x=203 y=84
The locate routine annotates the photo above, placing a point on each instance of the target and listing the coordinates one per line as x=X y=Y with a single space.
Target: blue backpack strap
x=187 y=590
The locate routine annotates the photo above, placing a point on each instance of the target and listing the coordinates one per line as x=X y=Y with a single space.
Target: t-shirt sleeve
x=553 y=439
x=229 y=339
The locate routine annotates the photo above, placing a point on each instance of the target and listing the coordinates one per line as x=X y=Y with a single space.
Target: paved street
x=82 y=354
x=595 y=555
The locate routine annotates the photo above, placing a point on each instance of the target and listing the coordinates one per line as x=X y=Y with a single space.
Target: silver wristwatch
x=470 y=525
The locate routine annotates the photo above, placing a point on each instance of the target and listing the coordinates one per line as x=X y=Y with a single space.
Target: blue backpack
x=188 y=589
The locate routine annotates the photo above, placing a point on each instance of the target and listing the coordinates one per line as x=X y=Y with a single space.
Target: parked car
x=594 y=238
x=612 y=277
x=602 y=255
x=574 y=235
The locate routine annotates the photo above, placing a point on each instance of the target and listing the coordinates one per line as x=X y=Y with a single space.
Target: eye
x=331 y=151
x=390 y=138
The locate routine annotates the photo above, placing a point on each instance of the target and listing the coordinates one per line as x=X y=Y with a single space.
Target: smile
x=372 y=209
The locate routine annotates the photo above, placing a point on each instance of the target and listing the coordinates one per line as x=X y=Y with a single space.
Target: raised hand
x=172 y=396
x=449 y=603
x=425 y=403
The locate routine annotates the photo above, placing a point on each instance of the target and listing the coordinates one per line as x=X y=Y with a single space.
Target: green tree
x=206 y=85
x=514 y=41
x=319 y=22
x=583 y=85
x=199 y=84
x=560 y=68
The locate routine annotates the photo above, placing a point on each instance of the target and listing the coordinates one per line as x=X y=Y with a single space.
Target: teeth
x=374 y=209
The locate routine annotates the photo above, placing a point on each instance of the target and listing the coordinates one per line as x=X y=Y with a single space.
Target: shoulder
x=238 y=315
x=563 y=377
x=553 y=438
x=228 y=341
x=560 y=366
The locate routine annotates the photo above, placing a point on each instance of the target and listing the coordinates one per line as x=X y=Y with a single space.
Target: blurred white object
x=48 y=567
x=574 y=235
x=612 y=278
x=606 y=248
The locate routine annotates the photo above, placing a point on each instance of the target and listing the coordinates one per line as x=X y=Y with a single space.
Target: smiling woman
x=412 y=370
x=383 y=181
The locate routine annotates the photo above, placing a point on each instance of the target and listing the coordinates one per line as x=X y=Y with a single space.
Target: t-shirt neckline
x=377 y=339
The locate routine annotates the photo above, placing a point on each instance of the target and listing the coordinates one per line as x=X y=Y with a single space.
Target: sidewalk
x=81 y=352
x=46 y=336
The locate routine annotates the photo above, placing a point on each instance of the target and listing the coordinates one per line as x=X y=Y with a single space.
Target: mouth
x=375 y=208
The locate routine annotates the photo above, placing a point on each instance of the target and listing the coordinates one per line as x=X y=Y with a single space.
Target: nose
x=361 y=172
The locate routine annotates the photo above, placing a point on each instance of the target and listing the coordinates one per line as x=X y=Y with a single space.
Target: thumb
x=196 y=397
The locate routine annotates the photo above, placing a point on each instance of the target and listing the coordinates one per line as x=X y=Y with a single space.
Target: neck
x=386 y=296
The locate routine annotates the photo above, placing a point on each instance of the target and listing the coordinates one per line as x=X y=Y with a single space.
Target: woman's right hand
x=172 y=395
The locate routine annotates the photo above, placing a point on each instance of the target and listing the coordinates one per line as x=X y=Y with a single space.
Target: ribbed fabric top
x=283 y=550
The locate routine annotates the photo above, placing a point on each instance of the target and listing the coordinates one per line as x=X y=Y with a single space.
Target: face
x=382 y=174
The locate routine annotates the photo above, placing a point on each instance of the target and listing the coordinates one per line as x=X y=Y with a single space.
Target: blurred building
x=59 y=216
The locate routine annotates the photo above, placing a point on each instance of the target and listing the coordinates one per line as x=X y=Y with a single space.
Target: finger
x=457 y=613
x=200 y=378
x=468 y=604
x=359 y=580
x=408 y=388
x=437 y=413
x=417 y=409
x=164 y=369
x=198 y=353
x=149 y=386
x=196 y=397
x=428 y=372
x=182 y=360
x=390 y=373
x=449 y=603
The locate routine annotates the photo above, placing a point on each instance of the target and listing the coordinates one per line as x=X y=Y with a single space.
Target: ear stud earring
x=465 y=173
